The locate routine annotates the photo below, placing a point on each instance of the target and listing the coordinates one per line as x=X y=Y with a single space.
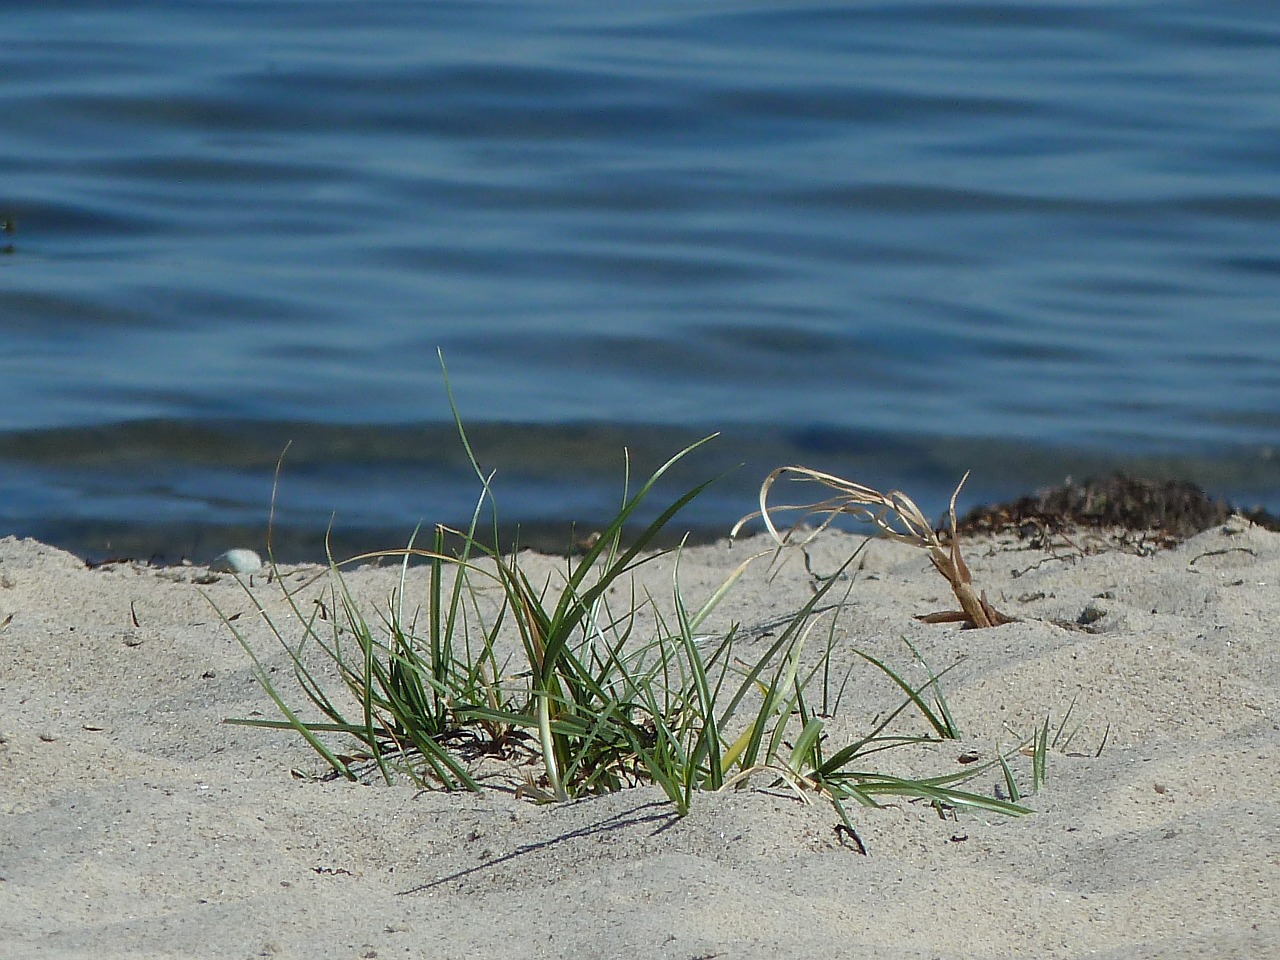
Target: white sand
x=136 y=824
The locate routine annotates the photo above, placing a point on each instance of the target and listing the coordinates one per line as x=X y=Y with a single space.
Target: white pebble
x=237 y=561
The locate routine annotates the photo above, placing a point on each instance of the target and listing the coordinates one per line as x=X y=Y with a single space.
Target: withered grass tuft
x=897 y=517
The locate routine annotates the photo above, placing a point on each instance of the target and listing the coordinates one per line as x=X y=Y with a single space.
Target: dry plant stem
x=898 y=518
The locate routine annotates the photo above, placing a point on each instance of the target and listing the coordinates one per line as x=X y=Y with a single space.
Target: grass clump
x=579 y=683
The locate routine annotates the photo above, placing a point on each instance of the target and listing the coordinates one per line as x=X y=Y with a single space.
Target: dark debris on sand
x=1171 y=509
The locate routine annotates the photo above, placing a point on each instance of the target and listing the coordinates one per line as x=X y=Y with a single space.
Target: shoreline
x=1169 y=509
x=175 y=490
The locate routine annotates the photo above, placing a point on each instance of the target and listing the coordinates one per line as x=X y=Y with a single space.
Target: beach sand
x=136 y=824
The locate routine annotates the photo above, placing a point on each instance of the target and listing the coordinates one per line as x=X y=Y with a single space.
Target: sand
x=136 y=824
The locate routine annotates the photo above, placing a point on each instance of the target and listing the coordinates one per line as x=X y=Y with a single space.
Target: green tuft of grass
x=583 y=686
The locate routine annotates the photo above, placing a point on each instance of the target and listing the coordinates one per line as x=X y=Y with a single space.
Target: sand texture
x=134 y=823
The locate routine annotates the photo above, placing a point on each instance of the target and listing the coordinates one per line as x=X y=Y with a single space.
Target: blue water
x=898 y=239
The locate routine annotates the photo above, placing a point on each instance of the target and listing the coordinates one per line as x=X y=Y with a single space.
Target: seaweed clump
x=1173 y=510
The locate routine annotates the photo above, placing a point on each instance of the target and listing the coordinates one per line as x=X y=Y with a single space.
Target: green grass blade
x=1011 y=784
x=1039 y=757
x=940 y=724
x=293 y=720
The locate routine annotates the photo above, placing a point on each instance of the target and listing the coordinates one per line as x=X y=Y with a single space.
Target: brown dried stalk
x=898 y=518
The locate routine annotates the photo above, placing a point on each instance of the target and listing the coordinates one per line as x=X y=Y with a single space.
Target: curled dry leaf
x=897 y=517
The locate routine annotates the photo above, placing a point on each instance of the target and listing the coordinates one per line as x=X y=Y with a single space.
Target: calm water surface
x=897 y=240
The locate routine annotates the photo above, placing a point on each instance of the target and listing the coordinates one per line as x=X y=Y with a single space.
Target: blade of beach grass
x=313 y=691
x=695 y=697
x=1010 y=782
x=874 y=741
x=361 y=684
x=865 y=787
x=779 y=702
x=951 y=730
x=785 y=639
x=707 y=744
x=293 y=721
x=941 y=721
x=1040 y=757
x=803 y=753
x=694 y=745
x=806 y=755
x=744 y=751
x=573 y=601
